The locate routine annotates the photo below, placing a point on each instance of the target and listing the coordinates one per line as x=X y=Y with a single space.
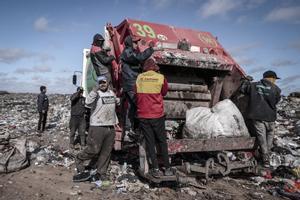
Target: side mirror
x=74 y=79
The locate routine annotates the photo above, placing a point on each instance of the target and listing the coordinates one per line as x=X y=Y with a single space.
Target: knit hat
x=150 y=65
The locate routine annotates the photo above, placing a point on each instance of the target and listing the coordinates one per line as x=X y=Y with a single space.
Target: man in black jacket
x=100 y=58
x=261 y=111
x=77 y=121
x=43 y=105
x=132 y=59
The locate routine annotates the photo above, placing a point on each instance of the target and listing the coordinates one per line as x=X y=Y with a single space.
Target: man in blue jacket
x=43 y=105
x=132 y=60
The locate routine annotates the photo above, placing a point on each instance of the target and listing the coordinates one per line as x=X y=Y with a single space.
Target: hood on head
x=130 y=39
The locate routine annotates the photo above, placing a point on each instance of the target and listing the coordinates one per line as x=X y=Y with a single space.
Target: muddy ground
x=49 y=182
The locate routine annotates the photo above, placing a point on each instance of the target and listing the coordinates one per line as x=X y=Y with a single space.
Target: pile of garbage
x=283 y=177
x=19 y=141
x=19 y=136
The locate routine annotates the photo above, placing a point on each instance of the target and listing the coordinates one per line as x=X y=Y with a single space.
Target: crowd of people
x=143 y=88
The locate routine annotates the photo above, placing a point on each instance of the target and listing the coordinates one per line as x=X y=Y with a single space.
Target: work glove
x=112 y=57
x=151 y=44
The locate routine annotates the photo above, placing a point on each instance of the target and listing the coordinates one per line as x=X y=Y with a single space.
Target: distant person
x=43 y=105
x=261 y=111
x=77 y=121
x=151 y=86
x=101 y=134
x=132 y=60
x=102 y=62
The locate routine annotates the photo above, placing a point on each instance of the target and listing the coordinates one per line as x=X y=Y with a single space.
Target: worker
x=77 y=121
x=101 y=134
x=151 y=86
x=101 y=60
x=261 y=111
x=43 y=105
x=132 y=60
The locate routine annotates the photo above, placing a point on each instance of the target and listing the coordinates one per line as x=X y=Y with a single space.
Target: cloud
x=282 y=63
x=242 y=19
x=295 y=45
x=244 y=48
x=255 y=70
x=286 y=90
x=218 y=7
x=3 y=74
x=42 y=25
x=289 y=80
x=243 y=60
x=11 y=55
x=61 y=85
x=254 y=3
x=239 y=53
x=288 y=14
x=35 y=69
x=161 y=4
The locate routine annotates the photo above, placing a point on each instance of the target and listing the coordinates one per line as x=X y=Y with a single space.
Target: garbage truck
x=200 y=73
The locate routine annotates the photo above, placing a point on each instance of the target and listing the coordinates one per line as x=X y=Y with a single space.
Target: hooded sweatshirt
x=132 y=60
x=263 y=97
x=101 y=60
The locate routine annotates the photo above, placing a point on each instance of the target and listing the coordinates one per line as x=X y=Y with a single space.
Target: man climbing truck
x=200 y=73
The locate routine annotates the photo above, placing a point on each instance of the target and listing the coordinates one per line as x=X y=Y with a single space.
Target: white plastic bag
x=223 y=120
x=230 y=118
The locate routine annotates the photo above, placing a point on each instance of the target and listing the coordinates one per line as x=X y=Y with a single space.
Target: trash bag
x=15 y=159
x=201 y=123
x=230 y=118
x=223 y=120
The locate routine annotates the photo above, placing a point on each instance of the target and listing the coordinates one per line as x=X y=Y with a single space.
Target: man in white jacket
x=101 y=134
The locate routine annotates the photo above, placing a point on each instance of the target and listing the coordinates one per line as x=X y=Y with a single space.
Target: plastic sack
x=201 y=123
x=223 y=120
x=230 y=118
x=14 y=159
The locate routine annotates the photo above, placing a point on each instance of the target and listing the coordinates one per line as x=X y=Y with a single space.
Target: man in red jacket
x=151 y=86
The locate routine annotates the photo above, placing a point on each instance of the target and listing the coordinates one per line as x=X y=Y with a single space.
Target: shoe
x=83 y=176
x=156 y=173
x=169 y=172
x=127 y=137
x=79 y=165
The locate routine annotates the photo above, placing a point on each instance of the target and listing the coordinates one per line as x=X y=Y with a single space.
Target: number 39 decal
x=144 y=30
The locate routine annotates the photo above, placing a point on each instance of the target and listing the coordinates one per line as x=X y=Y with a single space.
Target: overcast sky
x=41 y=41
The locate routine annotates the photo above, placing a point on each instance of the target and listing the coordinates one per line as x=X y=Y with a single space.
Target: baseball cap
x=101 y=78
x=270 y=74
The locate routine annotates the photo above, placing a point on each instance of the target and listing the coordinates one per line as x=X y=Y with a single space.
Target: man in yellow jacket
x=151 y=86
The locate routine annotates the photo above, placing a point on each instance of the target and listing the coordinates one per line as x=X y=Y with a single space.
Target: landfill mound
x=50 y=167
